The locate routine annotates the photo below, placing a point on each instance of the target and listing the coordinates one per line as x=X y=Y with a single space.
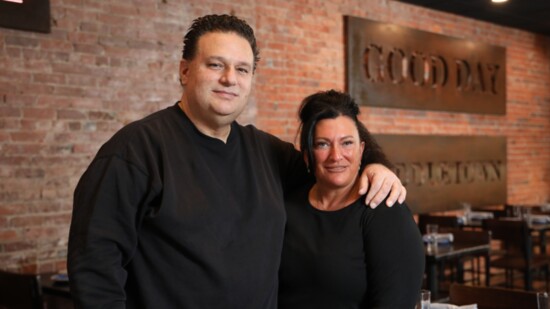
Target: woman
x=337 y=253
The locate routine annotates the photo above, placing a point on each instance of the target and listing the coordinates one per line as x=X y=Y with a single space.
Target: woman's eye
x=348 y=143
x=320 y=145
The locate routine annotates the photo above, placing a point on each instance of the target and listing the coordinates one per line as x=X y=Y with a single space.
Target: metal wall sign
x=393 y=66
x=442 y=172
x=30 y=15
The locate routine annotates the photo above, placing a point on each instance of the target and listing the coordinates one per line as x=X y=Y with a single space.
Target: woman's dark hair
x=329 y=105
x=218 y=23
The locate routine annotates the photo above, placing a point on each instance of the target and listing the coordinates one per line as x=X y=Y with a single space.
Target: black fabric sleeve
x=394 y=257
x=103 y=234
x=292 y=167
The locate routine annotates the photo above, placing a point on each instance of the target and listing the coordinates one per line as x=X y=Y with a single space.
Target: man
x=184 y=208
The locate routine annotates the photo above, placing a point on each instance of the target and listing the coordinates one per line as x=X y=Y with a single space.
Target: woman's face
x=337 y=150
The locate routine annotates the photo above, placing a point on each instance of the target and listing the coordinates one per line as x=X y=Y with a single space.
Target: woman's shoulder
x=382 y=215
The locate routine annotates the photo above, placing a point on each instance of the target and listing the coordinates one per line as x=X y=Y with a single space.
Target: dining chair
x=517 y=211
x=498 y=211
x=20 y=291
x=516 y=251
x=475 y=268
x=491 y=297
x=444 y=222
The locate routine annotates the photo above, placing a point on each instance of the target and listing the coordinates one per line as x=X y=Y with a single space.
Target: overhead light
x=498 y=1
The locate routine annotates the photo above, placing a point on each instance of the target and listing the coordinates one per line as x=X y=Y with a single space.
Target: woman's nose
x=335 y=153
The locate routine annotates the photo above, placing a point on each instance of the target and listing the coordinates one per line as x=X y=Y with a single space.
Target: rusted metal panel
x=442 y=172
x=393 y=66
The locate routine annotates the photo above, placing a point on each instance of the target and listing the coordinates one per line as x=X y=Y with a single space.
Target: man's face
x=218 y=80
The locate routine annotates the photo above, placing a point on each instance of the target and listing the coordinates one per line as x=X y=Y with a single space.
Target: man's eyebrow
x=223 y=59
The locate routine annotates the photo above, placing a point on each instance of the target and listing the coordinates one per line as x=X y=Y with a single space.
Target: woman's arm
x=394 y=257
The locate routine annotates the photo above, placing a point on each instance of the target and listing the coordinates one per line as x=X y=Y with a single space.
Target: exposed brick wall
x=108 y=62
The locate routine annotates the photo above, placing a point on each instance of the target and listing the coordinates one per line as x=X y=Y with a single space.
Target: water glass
x=467 y=211
x=542 y=300
x=431 y=231
x=424 y=301
x=526 y=214
x=516 y=212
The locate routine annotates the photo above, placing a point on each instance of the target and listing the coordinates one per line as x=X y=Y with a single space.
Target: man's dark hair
x=218 y=23
x=329 y=105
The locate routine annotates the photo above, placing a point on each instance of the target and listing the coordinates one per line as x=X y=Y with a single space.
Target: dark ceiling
x=529 y=15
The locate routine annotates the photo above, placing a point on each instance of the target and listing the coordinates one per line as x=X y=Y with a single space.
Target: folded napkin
x=480 y=215
x=61 y=277
x=441 y=238
x=540 y=218
x=451 y=306
x=545 y=207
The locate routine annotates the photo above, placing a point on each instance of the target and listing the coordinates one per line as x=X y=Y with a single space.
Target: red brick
x=17 y=245
x=28 y=136
x=8 y=235
x=21 y=41
x=38 y=113
x=70 y=114
x=8 y=111
x=49 y=78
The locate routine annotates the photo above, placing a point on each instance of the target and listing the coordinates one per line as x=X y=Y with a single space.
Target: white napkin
x=545 y=207
x=451 y=306
x=540 y=218
x=441 y=238
x=480 y=215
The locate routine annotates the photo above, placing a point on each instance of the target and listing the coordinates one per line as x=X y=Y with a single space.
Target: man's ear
x=184 y=71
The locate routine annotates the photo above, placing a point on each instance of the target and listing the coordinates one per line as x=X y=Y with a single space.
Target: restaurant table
x=448 y=252
x=56 y=294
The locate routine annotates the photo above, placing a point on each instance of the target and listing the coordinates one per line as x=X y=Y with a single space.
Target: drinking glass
x=424 y=301
x=431 y=231
x=542 y=300
x=467 y=208
x=516 y=212
x=526 y=214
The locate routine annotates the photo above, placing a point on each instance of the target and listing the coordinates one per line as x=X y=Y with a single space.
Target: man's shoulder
x=147 y=130
x=252 y=132
x=161 y=118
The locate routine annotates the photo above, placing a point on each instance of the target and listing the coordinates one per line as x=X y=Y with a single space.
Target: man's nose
x=229 y=76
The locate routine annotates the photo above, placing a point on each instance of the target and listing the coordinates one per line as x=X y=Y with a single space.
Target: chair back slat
x=442 y=221
x=471 y=237
x=513 y=234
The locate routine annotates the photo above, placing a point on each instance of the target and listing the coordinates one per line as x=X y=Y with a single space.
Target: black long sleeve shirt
x=355 y=257
x=166 y=217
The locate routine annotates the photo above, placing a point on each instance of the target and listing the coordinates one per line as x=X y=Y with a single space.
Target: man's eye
x=243 y=70
x=214 y=65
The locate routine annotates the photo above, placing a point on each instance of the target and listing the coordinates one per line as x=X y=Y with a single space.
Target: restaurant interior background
x=106 y=63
